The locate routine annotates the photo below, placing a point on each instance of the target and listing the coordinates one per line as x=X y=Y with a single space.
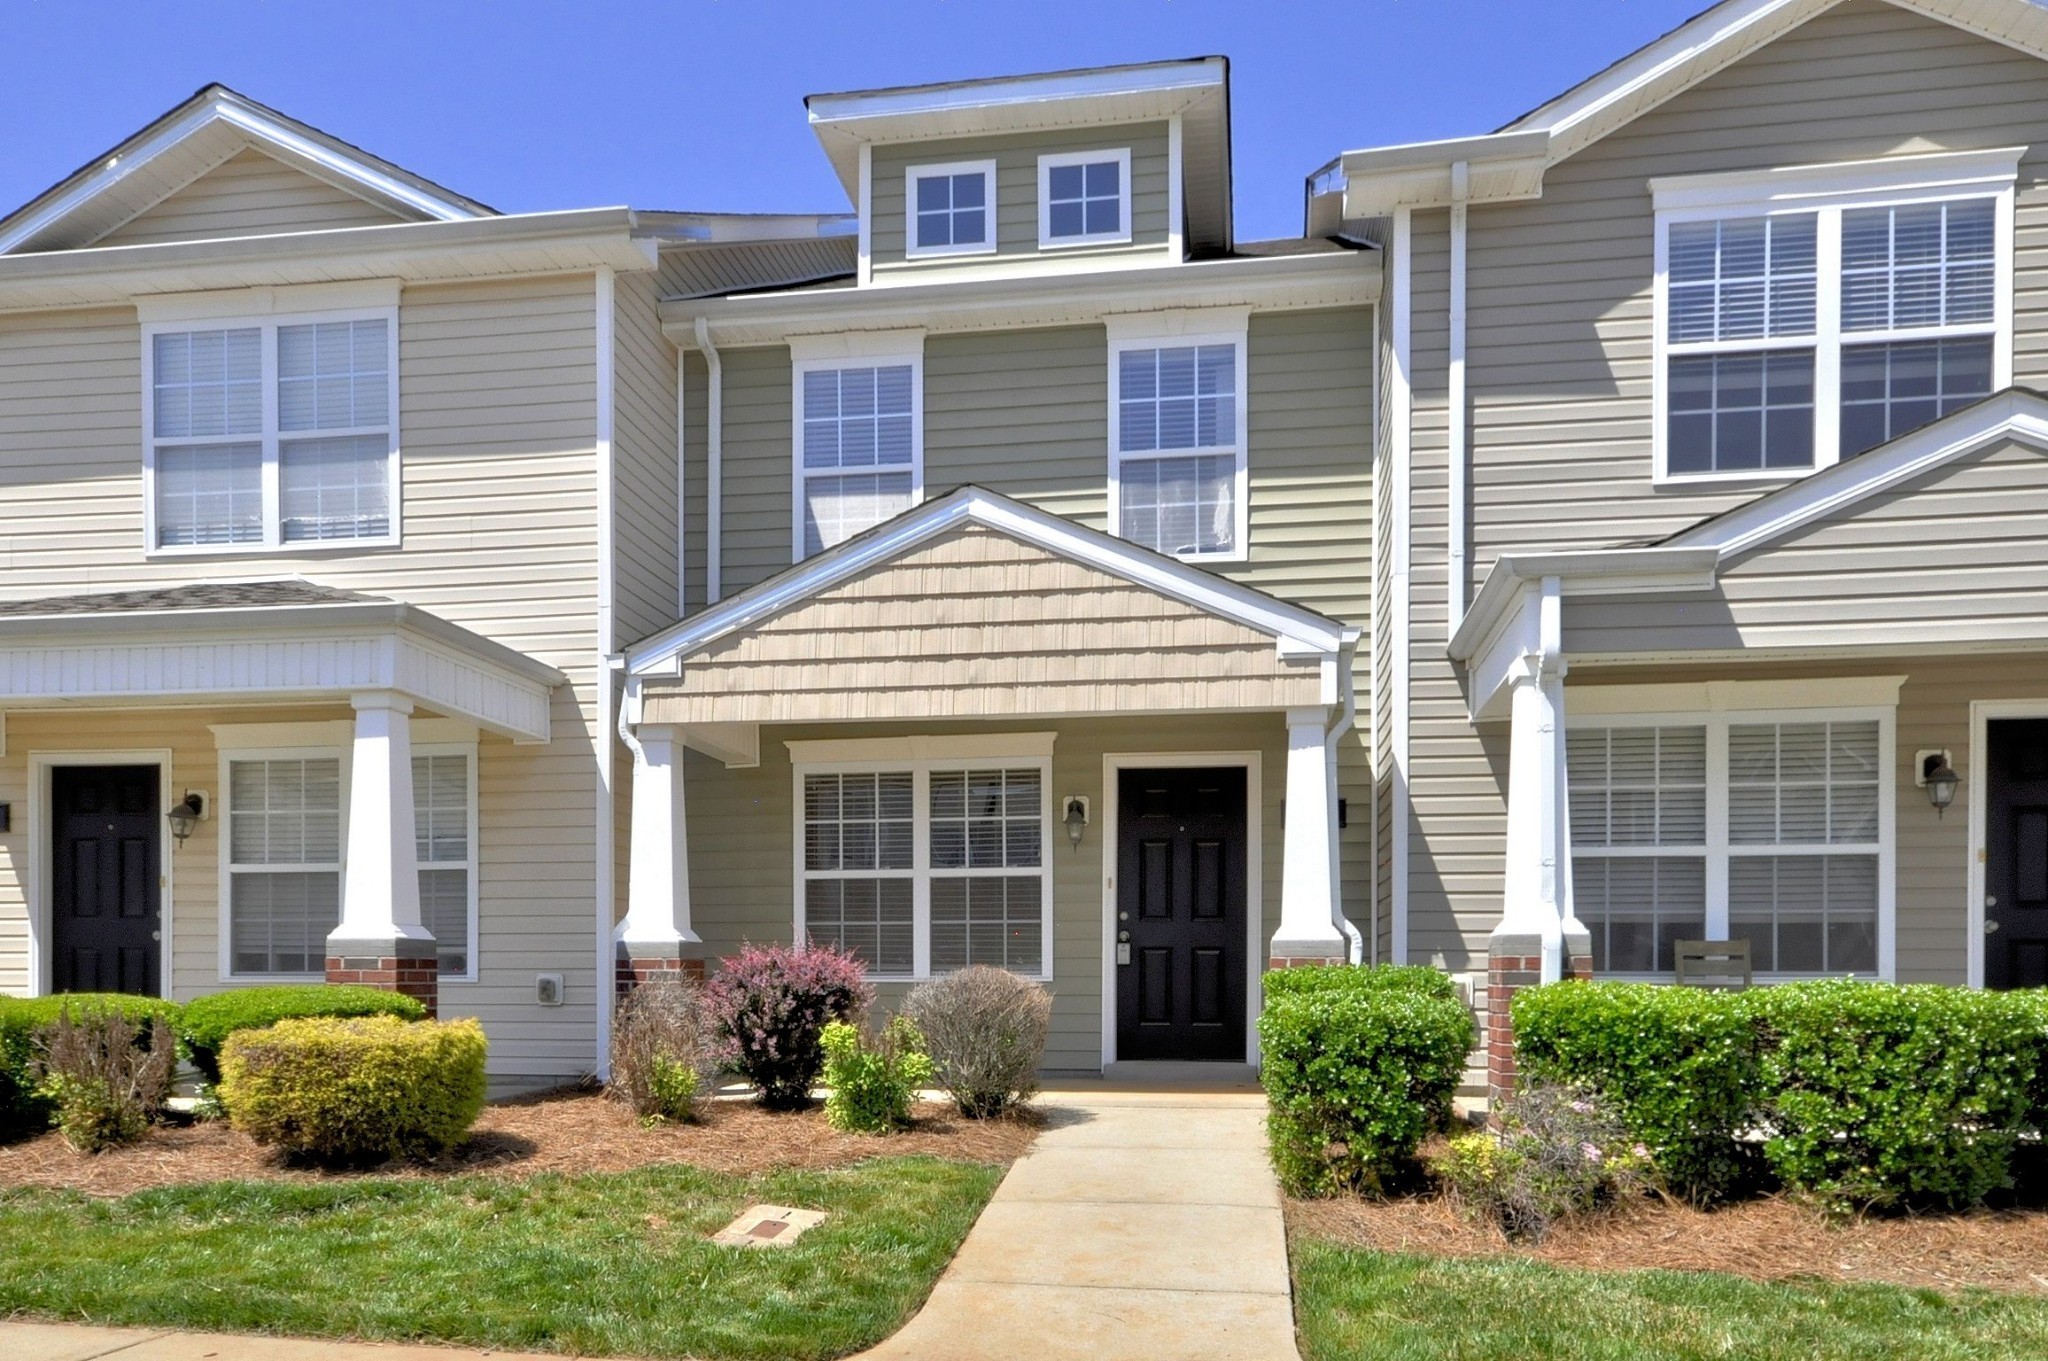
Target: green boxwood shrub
x=1895 y=1096
x=206 y=1022
x=1678 y=1066
x=355 y=1090
x=22 y=1110
x=1420 y=978
x=1357 y=1071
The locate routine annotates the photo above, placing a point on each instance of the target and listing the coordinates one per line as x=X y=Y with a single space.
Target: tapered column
x=1308 y=931
x=380 y=941
x=656 y=936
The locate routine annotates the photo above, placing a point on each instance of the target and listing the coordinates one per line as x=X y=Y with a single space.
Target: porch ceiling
x=270 y=640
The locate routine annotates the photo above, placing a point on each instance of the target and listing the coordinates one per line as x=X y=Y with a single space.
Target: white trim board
x=1113 y=764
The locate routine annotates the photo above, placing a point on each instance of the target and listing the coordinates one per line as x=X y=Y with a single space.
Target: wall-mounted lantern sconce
x=1075 y=816
x=1937 y=777
x=187 y=815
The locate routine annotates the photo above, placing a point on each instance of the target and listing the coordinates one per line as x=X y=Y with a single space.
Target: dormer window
x=1084 y=198
x=952 y=209
x=1809 y=315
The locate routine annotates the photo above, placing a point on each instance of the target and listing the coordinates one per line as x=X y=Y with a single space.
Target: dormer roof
x=1196 y=89
x=193 y=138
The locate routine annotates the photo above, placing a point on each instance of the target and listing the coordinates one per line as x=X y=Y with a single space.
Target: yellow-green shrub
x=355 y=1090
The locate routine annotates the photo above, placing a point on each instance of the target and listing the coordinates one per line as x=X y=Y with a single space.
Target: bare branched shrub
x=985 y=1030
x=106 y=1084
x=660 y=1052
x=1559 y=1154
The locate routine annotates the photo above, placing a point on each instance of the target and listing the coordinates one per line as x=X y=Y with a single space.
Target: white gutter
x=1459 y=453
x=1401 y=434
x=714 y=466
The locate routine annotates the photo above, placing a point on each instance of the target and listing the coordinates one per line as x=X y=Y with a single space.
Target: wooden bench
x=1722 y=964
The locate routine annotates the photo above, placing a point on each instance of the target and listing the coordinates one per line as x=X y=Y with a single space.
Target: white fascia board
x=1500 y=168
x=531 y=243
x=327 y=160
x=1203 y=73
x=2010 y=415
x=1268 y=284
x=1297 y=631
x=1658 y=570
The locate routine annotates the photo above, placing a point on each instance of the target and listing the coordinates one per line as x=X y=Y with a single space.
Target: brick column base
x=633 y=970
x=1512 y=964
x=410 y=967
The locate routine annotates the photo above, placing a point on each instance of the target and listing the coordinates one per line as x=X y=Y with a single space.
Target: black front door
x=105 y=856
x=2016 y=854
x=1180 y=928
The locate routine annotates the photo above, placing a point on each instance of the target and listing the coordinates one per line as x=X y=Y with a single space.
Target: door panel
x=2016 y=854
x=1182 y=883
x=106 y=858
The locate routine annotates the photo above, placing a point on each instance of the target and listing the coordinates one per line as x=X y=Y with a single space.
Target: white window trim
x=869 y=349
x=170 y=321
x=1718 y=848
x=1192 y=326
x=1046 y=163
x=1827 y=191
x=921 y=873
x=316 y=740
x=986 y=246
x=223 y=813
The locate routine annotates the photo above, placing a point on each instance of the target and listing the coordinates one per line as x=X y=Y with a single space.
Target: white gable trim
x=265 y=134
x=1296 y=631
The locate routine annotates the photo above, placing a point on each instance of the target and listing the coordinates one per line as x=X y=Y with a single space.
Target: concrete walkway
x=1144 y=1223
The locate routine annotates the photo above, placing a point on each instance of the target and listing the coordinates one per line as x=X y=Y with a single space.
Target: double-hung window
x=1760 y=827
x=1178 y=443
x=1808 y=316
x=925 y=866
x=1084 y=198
x=860 y=441
x=950 y=209
x=283 y=863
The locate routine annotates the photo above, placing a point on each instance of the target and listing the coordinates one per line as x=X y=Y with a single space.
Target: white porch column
x=656 y=935
x=380 y=940
x=1308 y=932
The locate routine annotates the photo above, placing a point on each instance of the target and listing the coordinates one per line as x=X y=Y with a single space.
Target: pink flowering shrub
x=767 y=1007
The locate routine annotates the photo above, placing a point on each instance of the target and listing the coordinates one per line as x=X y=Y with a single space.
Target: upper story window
x=278 y=433
x=952 y=209
x=860 y=443
x=1084 y=198
x=1177 y=442
x=1800 y=328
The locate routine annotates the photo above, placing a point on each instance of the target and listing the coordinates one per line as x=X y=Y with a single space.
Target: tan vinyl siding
x=644 y=462
x=696 y=479
x=497 y=417
x=977 y=624
x=742 y=858
x=1016 y=157
x=249 y=194
x=756 y=440
x=1023 y=413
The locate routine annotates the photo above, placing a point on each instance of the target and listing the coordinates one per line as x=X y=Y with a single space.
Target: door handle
x=1989 y=927
x=156 y=935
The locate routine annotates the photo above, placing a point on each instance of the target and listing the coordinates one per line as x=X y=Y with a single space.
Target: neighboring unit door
x=1180 y=897
x=2016 y=853
x=105 y=856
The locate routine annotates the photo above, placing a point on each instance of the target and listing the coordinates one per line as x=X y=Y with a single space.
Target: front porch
x=982 y=734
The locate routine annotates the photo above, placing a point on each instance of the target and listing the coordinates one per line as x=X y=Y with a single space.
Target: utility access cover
x=768 y=1226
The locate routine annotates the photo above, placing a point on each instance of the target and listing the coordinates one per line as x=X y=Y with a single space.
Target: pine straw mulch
x=1773 y=1239
x=569 y=1131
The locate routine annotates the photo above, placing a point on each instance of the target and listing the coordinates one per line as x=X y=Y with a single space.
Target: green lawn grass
x=596 y=1264
x=1355 y=1305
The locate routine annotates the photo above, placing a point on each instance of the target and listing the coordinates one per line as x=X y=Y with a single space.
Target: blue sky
x=577 y=103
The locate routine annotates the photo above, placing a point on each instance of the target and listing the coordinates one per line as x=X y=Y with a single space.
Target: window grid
x=858 y=461
x=950 y=209
x=283 y=852
x=444 y=810
x=1178 y=447
x=1740 y=826
x=1897 y=306
x=270 y=435
x=1084 y=198
x=924 y=867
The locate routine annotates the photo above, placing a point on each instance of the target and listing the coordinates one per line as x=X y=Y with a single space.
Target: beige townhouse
x=1711 y=507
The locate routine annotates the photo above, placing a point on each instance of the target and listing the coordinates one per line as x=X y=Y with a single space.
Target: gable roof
x=1296 y=631
x=193 y=138
x=1509 y=163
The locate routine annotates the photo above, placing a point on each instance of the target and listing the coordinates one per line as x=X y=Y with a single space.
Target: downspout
x=682 y=488
x=1458 y=454
x=604 y=881
x=1347 y=687
x=1556 y=821
x=714 y=465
